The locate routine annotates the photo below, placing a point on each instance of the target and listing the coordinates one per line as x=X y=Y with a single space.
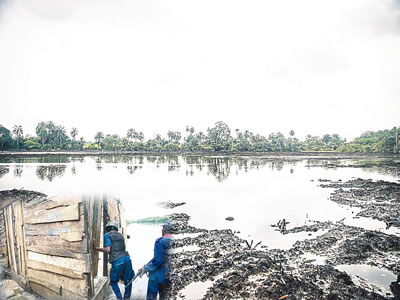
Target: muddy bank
x=225 y=267
x=378 y=200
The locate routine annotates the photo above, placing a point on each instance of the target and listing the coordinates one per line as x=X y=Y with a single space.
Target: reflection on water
x=50 y=172
x=380 y=277
x=4 y=170
x=219 y=167
x=18 y=170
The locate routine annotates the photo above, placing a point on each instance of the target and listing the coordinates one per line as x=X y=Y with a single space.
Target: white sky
x=314 y=66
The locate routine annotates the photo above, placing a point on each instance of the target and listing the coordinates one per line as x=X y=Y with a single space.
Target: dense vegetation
x=50 y=136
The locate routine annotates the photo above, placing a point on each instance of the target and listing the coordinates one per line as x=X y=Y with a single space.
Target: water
x=257 y=192
x=379 y=277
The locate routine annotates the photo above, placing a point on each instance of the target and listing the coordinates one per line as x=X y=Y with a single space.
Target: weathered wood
x=72 y=236
x=94 y=207
x=19 y=279
x=101 y=291
x=78 y=265
x=20 y=238
x=55 y=228
x=59 y=201
x=105 y=218
x=37 y=265
x=49 y=294
x=56 y=252
x=10 y=238
x=69 y=213
x=7 y=202
x=77 y=286
x=57 y=242
x=52 y=287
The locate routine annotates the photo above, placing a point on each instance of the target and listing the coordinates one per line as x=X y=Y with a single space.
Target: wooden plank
x=52 y=287
x=102 y=290
x=56 y=252
x=18 y=279
x=72 y=236
x=10 y=238
x=49 y=294
x=69 y=213
x=77 y=286
x=37 y=265
x=78 y=265
x=57 y=242
x=55 y=228
x=7 y=202
x=19 y=232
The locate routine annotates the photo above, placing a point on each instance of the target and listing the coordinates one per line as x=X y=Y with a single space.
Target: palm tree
x=18 y=131
x=131 y=134
x=99 y=137
x=74 y=133
x=140 y=136
x=60 y=132
x=41 y=131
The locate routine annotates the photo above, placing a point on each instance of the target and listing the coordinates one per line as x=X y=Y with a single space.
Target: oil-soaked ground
x=217 y=264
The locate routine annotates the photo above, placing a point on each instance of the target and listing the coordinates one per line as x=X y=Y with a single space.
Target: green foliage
x=217 y=138
x=32 y=143
x=151 y=220
x=5 y=138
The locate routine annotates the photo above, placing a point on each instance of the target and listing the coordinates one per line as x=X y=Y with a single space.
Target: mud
x=235 y=271
x=169 y=204
x=377 y=199
x=231 y=268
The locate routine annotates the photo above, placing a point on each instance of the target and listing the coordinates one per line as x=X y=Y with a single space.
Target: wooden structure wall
x=46 y=243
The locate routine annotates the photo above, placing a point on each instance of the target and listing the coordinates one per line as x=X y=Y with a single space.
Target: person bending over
x=114 y=245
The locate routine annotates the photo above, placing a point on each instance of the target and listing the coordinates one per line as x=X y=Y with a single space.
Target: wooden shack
x=46 y=242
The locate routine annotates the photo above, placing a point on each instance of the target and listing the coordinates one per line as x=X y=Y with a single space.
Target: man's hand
x=94 y=244
x=143 y=271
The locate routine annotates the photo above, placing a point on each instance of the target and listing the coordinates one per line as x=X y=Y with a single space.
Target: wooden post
x=105 y=220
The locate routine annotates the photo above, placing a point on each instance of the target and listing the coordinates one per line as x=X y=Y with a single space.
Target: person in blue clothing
x=114 y=245
x=158 y=267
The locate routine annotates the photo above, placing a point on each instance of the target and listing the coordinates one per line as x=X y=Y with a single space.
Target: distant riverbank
x=214 y=153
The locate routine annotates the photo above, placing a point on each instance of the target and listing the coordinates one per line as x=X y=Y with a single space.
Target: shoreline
x=331 y=154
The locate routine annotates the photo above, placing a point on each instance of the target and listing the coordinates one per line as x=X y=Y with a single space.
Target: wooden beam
x=49 y=294
x=83 y=266
x=18 y=279
x=37 y=265
x=75 y=236
x=52 y=287
x=77 y=286
x=69 y=213
x=56 y=252
x=102 y=291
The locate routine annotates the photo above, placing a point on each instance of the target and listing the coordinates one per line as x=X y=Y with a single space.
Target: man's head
x=166 y=228
x=112 y=225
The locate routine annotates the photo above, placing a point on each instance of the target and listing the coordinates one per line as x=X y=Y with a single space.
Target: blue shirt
x=158 y=267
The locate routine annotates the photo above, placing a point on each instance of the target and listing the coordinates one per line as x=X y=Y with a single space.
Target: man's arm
x=107 y=244
x=105 y=249
x=157 y=260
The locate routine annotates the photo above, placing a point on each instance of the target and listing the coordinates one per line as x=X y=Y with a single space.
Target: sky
x=314 y=66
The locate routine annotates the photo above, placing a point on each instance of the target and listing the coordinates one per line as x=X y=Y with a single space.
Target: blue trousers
x=122 y=269
x=154 y=288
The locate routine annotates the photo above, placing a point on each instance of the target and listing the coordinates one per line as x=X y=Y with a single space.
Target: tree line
x=50 y=136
